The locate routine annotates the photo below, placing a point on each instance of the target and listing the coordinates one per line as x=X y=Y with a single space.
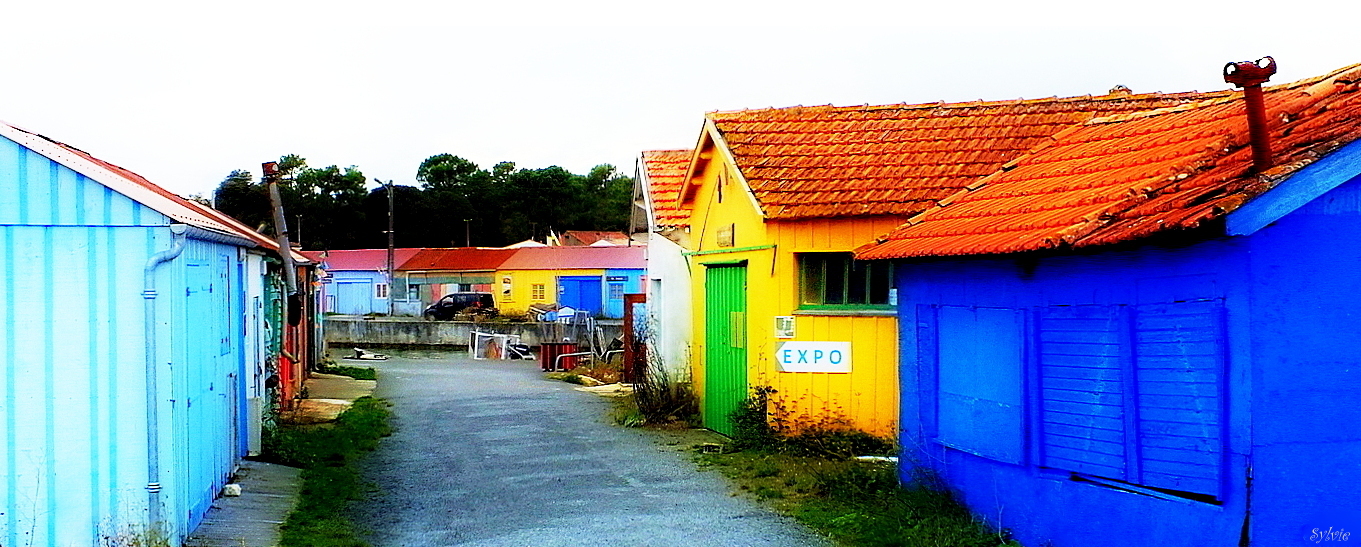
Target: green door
x=725 y=353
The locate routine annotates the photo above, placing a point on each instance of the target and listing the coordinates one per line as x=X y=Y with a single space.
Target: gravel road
x=488 y=453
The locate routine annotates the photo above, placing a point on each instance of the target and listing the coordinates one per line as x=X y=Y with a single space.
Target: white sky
x=185 y=92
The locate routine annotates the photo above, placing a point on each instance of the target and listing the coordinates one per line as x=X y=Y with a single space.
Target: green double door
x=725 y=347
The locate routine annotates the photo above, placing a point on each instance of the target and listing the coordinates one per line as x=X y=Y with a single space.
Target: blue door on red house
x=581 y=292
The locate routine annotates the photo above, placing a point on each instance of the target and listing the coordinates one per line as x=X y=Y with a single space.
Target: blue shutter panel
x=1180 y=357
x=1082 y=413
x=981 y=364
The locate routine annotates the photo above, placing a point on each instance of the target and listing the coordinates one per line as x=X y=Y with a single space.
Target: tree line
x=455 y=204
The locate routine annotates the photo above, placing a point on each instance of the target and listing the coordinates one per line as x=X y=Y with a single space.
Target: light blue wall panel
x=73 y=464
x=72 y=368
x=38 y=191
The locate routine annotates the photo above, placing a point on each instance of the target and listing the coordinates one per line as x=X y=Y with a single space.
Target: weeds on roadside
x=805 y=468
x=329 y=366
x=663 y=400
x=330 y=481
x=762 y=424
x=136 y=536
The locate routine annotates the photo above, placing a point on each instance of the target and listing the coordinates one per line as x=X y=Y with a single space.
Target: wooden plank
x=1081 y=408
x=1200 y=390
x=1182 y=429
x=1083 y=396
x=1085 y=461
x=1080 y=432
x=1102 y=370
x=1084 y=420
x=1059 y=348
x=1082 y=384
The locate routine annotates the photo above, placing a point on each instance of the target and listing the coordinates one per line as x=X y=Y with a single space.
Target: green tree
x=461 y=199
x=242 y=198
x=608 y=193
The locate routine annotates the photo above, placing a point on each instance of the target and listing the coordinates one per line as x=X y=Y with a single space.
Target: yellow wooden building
x=594 y=279
x=778 y=198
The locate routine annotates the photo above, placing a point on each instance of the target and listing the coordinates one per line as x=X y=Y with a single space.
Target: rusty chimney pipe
x=1250 y=75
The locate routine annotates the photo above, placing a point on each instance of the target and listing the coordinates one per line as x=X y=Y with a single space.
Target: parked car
x=477 y=304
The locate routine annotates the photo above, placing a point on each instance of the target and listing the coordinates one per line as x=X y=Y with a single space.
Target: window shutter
x=1179 y=355
x=1082 y=416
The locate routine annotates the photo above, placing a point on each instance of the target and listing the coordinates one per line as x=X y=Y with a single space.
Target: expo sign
x=814 y=356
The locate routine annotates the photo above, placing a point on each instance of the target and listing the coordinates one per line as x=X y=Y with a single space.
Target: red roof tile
x=365 y=259
x=1124 y=177
x=458 y=259
x=832 y=161
x=576 y=258
x=665 y=170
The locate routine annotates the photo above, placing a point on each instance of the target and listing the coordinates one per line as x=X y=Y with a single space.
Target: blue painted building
x=357 y=281
x=125 y=379
x=1135 y=335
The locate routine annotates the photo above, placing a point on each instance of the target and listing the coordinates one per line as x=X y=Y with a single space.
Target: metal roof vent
x=1250 y=75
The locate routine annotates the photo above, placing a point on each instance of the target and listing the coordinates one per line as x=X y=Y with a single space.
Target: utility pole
x=391 y=241
x=271 y=177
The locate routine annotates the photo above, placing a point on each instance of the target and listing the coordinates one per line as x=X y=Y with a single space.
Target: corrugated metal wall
x=73 y=421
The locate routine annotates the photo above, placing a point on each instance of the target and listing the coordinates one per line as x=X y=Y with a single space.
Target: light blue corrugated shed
x=122 y=368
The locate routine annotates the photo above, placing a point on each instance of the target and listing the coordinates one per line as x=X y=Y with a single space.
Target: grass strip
x=330 y=481
x=358 y=373
x=857 y=504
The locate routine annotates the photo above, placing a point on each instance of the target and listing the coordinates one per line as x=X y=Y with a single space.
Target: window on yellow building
x=838 y=281
x=537 y=291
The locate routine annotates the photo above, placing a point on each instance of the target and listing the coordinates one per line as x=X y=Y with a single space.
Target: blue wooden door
x=353 y=298
x=581 y=292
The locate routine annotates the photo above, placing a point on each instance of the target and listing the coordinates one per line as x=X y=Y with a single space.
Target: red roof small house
x=586 y=238
x=659 y=220
x=429 y=274
x=357 y=280
x=593 y=279
x=778 y=198
x=1142 y=330
x=143 y=338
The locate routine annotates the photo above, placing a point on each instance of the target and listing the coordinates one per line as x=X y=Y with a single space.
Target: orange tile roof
x=1123 y=177
x=665 y=171
x=456 y=259
x=832 y=161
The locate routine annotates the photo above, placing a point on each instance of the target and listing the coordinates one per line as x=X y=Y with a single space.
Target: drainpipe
x=152 y=400
x=1250 y=75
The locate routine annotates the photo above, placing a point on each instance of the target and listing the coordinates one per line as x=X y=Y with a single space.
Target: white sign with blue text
x=814 y=356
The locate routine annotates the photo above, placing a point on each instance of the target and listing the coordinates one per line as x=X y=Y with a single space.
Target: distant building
x=593 y=279
x=432 y=273
x=357 y=280
x=585 y=238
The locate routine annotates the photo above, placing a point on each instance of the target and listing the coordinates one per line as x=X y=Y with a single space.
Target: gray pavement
x=268 y=492
x=488 y=453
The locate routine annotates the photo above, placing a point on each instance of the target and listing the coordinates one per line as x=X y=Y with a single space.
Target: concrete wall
x=342 y=331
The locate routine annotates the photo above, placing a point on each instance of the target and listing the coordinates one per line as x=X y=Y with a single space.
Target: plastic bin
x=549 y=352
